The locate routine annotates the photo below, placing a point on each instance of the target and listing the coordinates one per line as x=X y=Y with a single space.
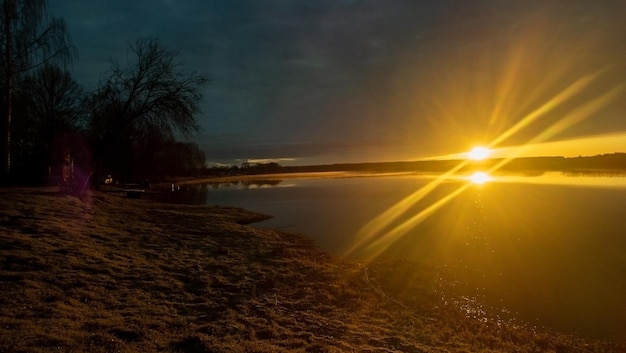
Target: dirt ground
x=105 y=273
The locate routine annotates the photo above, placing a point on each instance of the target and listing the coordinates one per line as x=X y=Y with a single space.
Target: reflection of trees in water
x=595 y=173
x=246 y=184
x=533 y=173
x=199 y=194
x=259 y=183
x=226 y=184
x=187 y=195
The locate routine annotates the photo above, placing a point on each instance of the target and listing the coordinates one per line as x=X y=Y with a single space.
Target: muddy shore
x=105 y=273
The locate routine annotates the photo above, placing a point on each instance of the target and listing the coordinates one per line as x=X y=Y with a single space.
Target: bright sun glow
x=480 y=178
x=479 y=153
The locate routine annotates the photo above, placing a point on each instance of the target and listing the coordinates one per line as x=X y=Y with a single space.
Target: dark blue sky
x=347 y=81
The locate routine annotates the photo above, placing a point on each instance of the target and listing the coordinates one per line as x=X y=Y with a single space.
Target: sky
x=341 y=81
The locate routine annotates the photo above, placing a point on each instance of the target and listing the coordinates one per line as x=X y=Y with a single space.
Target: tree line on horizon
x=127 y=126
x=609 y=162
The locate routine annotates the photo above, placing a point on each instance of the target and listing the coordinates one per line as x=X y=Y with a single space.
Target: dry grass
x=109 y=274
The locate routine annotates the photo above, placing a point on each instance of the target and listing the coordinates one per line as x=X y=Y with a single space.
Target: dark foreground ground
x=104 y=273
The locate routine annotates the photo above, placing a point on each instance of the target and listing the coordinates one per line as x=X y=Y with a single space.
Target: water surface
x=548 y=249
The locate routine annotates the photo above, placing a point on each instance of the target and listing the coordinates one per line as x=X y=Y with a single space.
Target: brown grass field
x=104 y=273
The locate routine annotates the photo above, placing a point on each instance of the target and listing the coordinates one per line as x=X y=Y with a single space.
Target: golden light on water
x=480 y=178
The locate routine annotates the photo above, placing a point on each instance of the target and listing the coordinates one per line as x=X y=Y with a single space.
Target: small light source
x=478 y=153
x=480 y=178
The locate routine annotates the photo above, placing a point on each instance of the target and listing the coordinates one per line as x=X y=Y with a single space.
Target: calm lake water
x=549 y=250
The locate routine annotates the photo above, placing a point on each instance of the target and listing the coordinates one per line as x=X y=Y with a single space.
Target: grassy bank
x=103 y=273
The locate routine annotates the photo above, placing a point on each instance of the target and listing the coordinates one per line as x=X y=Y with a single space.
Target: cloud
x=302 y=79
x=269 y=160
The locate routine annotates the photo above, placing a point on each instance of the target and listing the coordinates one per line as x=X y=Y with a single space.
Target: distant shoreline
x=391 y=169
x=607 y=162
x=296 y=175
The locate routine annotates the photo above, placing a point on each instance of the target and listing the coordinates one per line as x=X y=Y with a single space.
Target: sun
x=478 y=153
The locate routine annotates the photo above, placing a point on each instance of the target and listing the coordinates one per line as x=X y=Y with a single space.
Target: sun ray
x=590 y=145
x=375 y=240
x=579 y=114
x=378 y=224
x=382 y=243
x=552 y=103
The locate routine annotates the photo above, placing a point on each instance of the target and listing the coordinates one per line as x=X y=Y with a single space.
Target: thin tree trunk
x=9 y=7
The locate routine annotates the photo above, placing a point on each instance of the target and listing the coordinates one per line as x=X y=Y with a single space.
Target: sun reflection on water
x=480 y=178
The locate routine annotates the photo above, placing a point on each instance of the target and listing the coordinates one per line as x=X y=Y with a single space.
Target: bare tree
x=152 y=93
x=55 y=99
x=51 y=107
x=28 y=40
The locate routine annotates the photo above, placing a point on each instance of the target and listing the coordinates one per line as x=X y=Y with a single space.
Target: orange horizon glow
x=586 y=146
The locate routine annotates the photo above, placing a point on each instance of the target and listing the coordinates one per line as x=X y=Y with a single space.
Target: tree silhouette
x=50 y=103
x=152 y=93
x=158 y=157
x=28 y=40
